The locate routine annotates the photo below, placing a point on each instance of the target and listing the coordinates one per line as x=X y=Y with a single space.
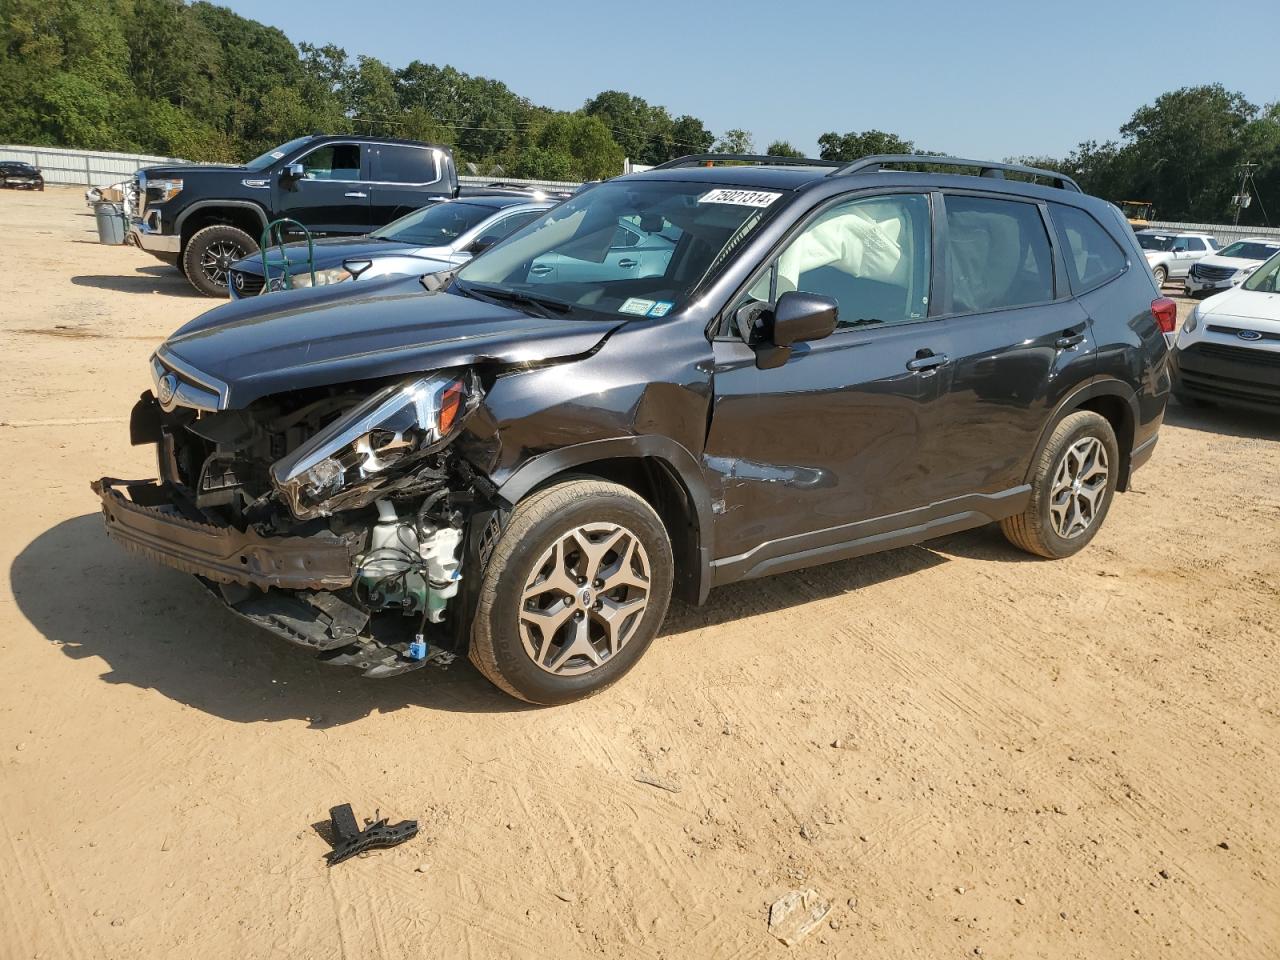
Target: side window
x=504 y=228
x=334 y=161
x=398 y=164
x=1181 y=245
x=998 y=254
x=1092 y=256
x=1195 y=244
x=622 y=237
x=869 y=255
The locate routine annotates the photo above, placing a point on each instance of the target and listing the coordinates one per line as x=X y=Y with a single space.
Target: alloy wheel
x=1079 y=487
x=585 y=599
x=217 y=258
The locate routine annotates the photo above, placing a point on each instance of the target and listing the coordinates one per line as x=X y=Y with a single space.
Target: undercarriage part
x=349 y=840
x=219 y=553
x=319 y=621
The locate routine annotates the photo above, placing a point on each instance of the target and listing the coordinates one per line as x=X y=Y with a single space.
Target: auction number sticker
x=741 y=198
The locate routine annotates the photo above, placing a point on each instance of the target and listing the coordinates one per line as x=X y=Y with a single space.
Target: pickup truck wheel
x=574 y=593
x=209 y=255
x=1071 y=488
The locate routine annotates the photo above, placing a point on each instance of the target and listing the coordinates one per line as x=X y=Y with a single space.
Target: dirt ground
x=965 y=750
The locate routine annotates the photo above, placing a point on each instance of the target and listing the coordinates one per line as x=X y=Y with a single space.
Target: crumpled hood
x=329 y=252
x=331 y=335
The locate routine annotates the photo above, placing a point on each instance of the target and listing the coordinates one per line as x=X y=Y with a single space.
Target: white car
x=1230 y=265
x=1228 y=349
x=1172 y=255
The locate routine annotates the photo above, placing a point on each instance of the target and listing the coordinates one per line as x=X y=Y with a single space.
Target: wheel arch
x=244 y=214
x=1112 y=399
x=659 y=470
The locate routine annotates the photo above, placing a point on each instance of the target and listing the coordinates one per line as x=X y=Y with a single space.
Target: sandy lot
x=962 y=748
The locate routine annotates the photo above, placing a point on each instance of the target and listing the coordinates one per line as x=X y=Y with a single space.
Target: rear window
x=400 y=164
x=1092 y=256
x=998 y=254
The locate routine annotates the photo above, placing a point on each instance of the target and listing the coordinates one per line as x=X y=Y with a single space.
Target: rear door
x=332 y=196
x=404 y=178
x=1014 y=338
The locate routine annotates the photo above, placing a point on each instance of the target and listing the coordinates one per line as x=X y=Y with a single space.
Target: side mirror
x=294 y=171
x=796 y=318
x=482 y=244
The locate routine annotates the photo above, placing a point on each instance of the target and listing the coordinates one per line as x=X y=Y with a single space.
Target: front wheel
x=574 y=592
x=1071 y=488
x=1162 y=275
x=208 y=255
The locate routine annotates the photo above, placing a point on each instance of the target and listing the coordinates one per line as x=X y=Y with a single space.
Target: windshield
x=436 y=224
x=638 y=247
x=1250 y=249
x=1266 y=279
x=1152 y=241
x=274 y=154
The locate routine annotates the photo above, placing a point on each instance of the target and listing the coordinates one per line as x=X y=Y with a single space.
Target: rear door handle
x=356 y=193
x=926 y=363
x=627 y=263
x=1069 y=340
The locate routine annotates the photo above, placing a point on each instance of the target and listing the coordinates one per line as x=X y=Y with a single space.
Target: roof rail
x=989 y=168
x=710 y=159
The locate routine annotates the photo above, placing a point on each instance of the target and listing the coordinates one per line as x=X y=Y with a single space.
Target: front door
x=806 y=454
x=332 y=196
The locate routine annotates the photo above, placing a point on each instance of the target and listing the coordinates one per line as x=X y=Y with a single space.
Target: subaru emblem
x=1248 y=335
x=166 y=388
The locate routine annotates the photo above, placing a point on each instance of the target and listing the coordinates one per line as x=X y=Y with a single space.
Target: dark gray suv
x=524 y=460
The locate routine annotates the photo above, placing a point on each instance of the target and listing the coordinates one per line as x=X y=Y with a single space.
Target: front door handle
x=356 y=193
x=1069 y=340
x=926 y=363
x=541 y=270
x=628 y=263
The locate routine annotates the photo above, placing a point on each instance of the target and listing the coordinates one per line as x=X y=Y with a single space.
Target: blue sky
x=987 y=79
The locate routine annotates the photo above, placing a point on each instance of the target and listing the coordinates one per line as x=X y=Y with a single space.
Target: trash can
x=111 y=222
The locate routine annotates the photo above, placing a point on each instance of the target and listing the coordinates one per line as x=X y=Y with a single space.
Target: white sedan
x=1228 y=350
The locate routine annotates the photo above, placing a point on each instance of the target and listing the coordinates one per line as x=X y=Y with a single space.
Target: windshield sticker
x=276 y=154
x=741 y=198
x=637 y=306
x=661 y=308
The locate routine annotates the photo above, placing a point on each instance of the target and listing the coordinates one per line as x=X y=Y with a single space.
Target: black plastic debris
x=349 y=840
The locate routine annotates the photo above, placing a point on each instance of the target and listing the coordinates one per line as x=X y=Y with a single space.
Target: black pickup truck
x=203 y=218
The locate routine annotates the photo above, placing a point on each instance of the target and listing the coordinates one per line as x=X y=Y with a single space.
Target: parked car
x=15 y=175
x=524 y=471
x=1228 y=350
x=633 y=251
x=205 y=218
x=1171 y=255
x=437 y=237
x=1229 y=266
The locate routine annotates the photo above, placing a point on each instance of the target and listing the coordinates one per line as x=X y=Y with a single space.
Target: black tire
x=1035 y=530
x=1162 y=276
x=541 y=522
x=208 y=254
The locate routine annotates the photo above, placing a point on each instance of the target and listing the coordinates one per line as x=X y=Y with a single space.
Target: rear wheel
x=574 y=592
x=208 y=256
x=1071 y=489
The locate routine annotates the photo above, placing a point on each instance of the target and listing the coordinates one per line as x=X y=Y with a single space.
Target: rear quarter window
x=1092 y=256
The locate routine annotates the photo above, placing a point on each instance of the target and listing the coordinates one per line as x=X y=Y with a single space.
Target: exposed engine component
x=412 y=564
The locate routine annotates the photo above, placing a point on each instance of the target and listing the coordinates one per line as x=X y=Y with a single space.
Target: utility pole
x=1241 y=199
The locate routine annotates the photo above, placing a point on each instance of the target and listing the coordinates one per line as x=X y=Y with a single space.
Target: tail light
x=1165 y=312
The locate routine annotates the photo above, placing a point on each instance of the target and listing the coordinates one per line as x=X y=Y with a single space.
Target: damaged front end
x=335 y=517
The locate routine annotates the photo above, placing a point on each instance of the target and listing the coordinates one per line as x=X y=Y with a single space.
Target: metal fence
x=1223 y=233
x=98 y=168
x=87 y=167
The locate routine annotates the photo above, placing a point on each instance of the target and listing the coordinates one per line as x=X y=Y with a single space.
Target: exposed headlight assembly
x=323 y=277
x=351 y=462
x=168 y=189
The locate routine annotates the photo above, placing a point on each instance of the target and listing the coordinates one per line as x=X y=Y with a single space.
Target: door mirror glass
x=483 y=243
x=294 y=171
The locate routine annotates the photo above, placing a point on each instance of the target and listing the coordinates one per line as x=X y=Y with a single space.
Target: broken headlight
x=346 y=464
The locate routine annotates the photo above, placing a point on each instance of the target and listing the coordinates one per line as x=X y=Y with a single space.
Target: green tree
x=781 y=148
x=572 y=146
x=735 y=141
x=853 y=146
